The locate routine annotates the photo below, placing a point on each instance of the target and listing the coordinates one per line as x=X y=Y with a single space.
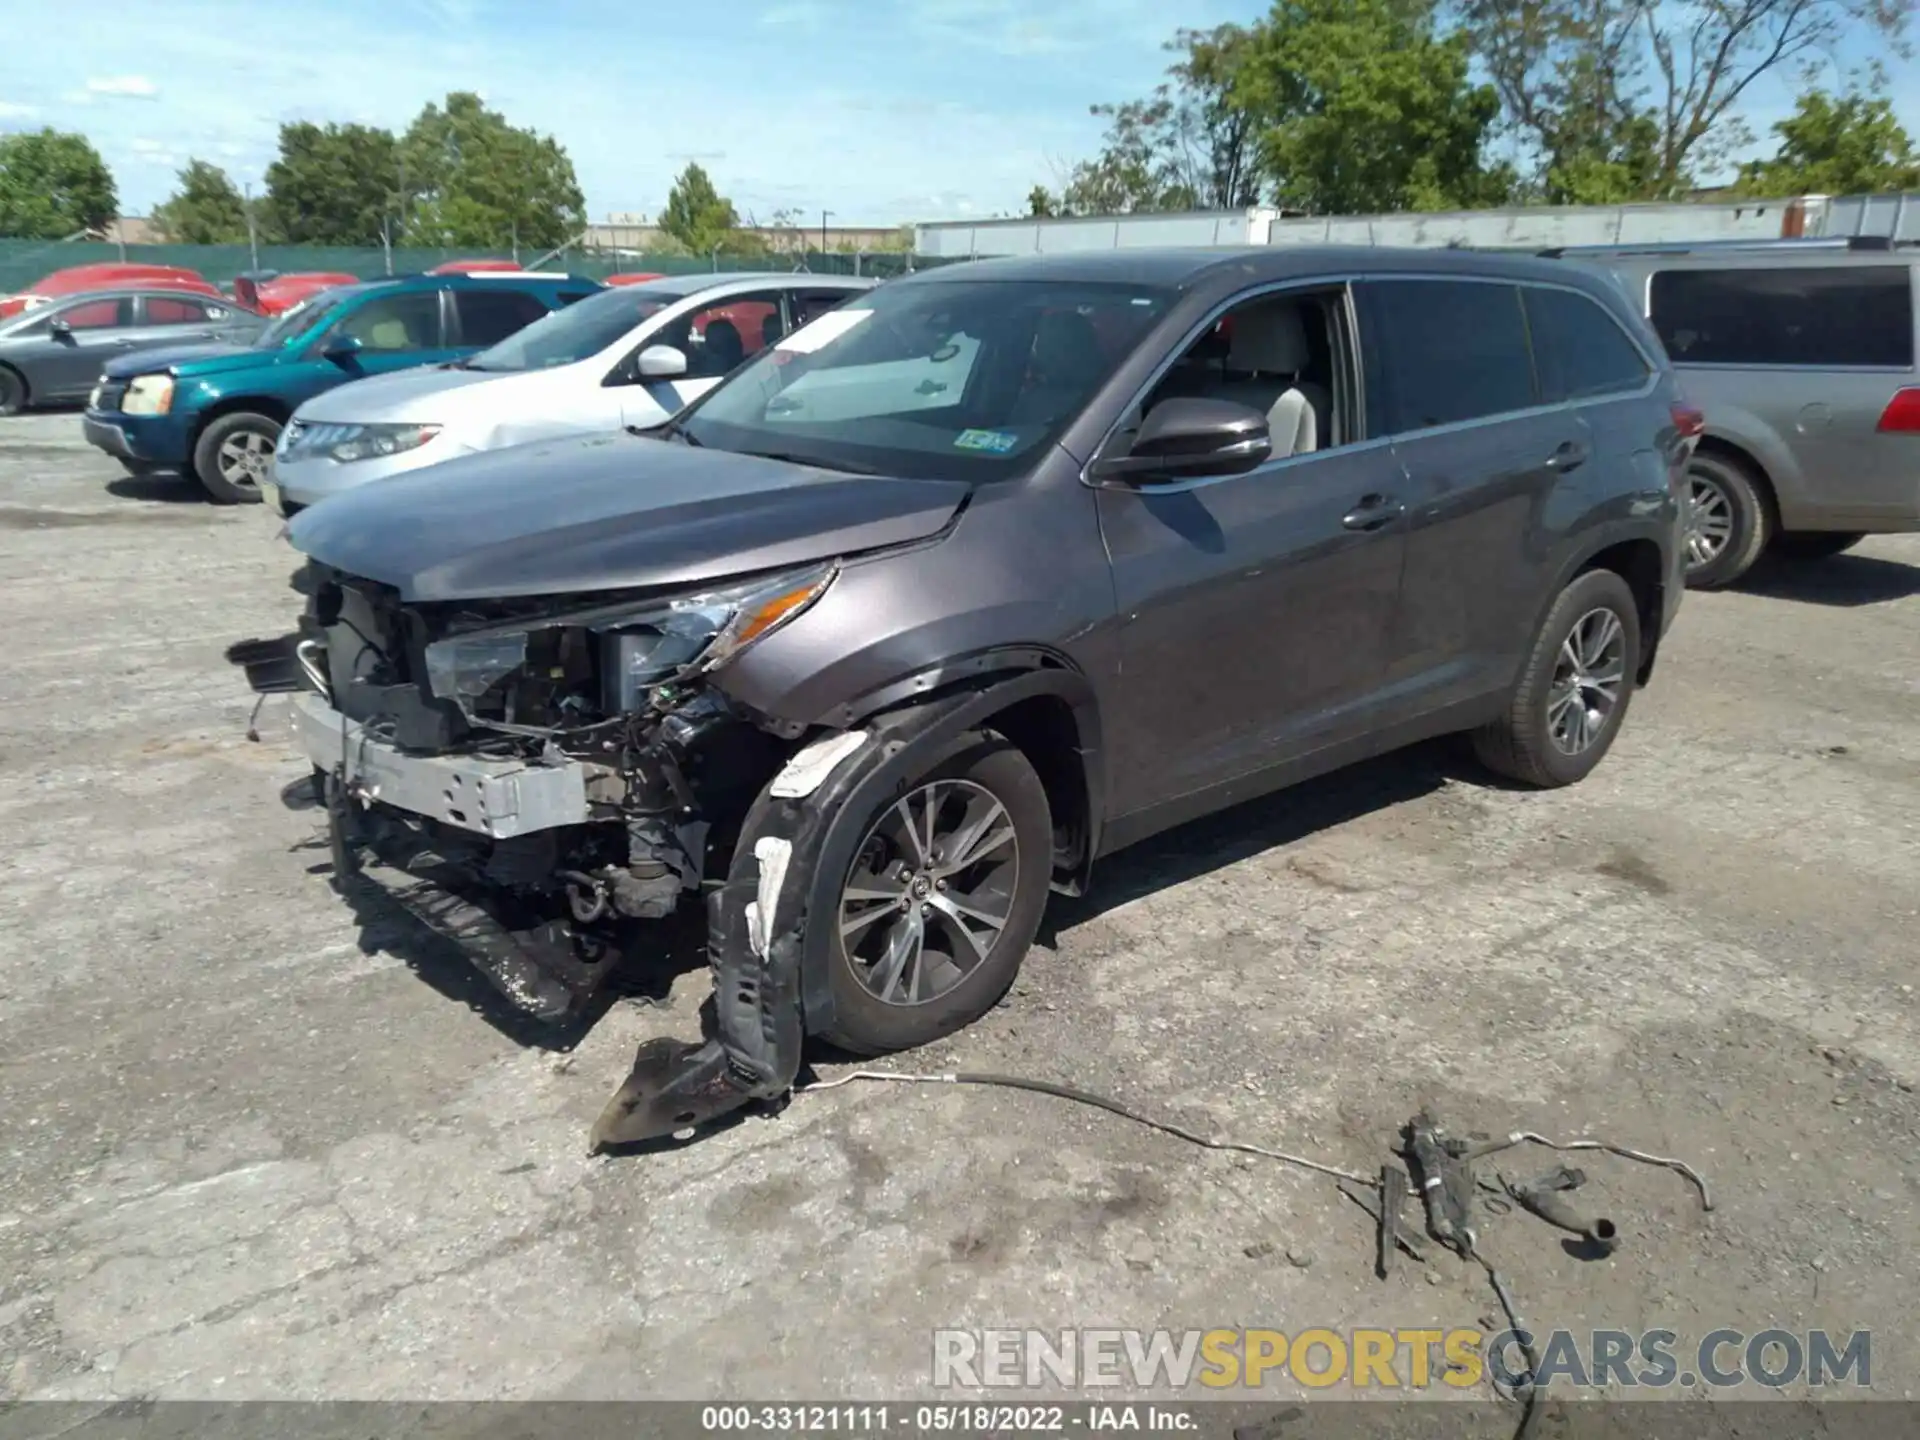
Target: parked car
x=623 y=358
x=53 y=353
x=473 y=267
x=634 y=277
x=274 y=293
x=1802 y=355
x=975 y=579
x=105 y=275
x=216 y=410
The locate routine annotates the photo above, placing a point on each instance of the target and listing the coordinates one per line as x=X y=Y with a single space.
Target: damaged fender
x=771 y=970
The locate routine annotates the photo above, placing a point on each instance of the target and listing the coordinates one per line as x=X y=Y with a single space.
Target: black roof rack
x=1690 y=247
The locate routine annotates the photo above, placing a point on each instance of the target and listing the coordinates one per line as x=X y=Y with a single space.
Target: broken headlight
x=656 y=641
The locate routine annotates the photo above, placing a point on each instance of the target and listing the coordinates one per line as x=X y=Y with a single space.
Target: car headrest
x=1270 y=338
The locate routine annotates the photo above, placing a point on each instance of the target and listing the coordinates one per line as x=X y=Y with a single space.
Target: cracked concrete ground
x=254 y=1147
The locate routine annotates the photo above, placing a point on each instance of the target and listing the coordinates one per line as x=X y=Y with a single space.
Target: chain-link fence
x=24 y=261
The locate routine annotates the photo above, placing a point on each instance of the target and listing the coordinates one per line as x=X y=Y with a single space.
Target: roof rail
x=1690 y=247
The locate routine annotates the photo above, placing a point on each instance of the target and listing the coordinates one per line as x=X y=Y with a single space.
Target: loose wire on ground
x=1665 y=1162
x=1087 y=1097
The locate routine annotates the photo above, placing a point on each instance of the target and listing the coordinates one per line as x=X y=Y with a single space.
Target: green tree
x=53 y=185
x=1187 y=145
x=333 y=185
x=698 y=217
x=1630 y=99
x=206 y=209
x=472 y=179
x=1361 y=105
x=1845 y=145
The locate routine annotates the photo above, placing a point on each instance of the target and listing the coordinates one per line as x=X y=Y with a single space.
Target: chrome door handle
x=1373 y=512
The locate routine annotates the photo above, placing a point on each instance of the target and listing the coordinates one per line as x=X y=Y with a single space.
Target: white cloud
x=130 y=87
x=11 y=111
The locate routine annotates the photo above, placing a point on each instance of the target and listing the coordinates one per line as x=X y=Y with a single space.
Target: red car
x=104 y=275
x=283 y=292
x=464 y=267
x=634 y=277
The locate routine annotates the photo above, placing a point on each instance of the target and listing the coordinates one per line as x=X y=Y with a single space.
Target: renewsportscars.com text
x=1406 y=1359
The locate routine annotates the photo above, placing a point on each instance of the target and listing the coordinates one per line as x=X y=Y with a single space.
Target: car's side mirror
x=60 y=329
x=1187 y=437
x=661 y=362
x=341 y=347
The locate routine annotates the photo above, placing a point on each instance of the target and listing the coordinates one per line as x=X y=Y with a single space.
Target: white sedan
x=623 y=358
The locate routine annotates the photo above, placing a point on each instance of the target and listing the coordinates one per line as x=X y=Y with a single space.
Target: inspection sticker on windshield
x=994 y=442
x=824 y=331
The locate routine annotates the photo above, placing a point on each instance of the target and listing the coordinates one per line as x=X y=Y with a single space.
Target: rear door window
x=489 y=316
x=177 y=310
x=1453 y=350
x=1579 y=349
x=1799 y=316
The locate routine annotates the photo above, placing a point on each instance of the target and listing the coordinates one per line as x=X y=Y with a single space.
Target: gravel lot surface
x=254 y=1145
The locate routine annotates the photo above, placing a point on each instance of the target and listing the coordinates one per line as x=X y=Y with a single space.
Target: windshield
x=296 y=321
x=943 y=378
x=583 y=328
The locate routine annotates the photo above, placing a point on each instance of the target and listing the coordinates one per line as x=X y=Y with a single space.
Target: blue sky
x=879 y=110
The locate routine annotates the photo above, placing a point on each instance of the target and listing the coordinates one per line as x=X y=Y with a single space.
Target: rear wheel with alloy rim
x=942 y=899
x=13 y=392
x=234 y=454
x=1574 y=693
x=1728 y=521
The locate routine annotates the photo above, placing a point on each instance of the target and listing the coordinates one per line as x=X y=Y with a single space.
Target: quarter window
x=1799 y=316
x=1454 y=350
x=1580 y=350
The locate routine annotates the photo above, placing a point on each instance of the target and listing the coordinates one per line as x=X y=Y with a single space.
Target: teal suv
x=215 y=411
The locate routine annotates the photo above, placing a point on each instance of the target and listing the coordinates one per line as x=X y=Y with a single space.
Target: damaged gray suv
x=978 y=578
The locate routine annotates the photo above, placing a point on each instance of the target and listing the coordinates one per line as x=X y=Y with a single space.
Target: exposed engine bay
x=534 y=778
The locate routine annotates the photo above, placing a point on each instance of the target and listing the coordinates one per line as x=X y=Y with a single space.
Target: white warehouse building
x=1531 y=227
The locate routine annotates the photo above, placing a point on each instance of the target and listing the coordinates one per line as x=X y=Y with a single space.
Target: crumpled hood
x=380 y=398
x=608 y=512
x=187 y=360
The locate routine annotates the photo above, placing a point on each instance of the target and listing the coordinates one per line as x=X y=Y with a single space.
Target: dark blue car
x=216 y=410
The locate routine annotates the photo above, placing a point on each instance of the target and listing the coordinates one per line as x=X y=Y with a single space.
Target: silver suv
x=1802 y=355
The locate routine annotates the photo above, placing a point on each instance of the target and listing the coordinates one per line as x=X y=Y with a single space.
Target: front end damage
x=538 y=780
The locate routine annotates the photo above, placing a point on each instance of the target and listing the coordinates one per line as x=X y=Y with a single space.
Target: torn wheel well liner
x=1034 y=709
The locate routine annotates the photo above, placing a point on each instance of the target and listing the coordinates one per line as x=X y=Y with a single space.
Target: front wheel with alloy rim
x=1727 y=522
x=13 y=392
x=941 y=900
x=234 y=454
x=1573 y=694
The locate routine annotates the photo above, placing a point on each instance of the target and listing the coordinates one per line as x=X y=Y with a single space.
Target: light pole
x=823 y=230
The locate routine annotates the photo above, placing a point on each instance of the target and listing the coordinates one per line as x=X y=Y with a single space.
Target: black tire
x=13 y=391
x=865 y=1024
x=209 y=462
x=1815 y=544
x=1521 y=744
x=1749 y=508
